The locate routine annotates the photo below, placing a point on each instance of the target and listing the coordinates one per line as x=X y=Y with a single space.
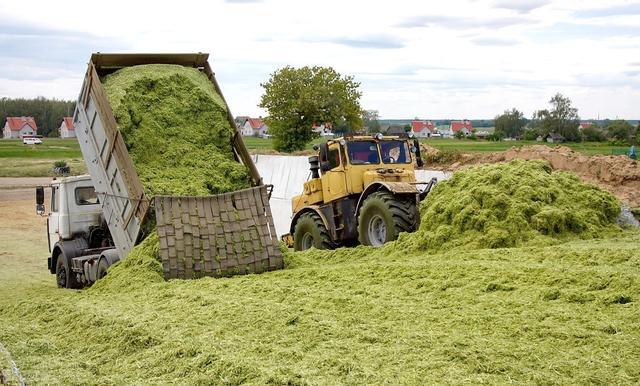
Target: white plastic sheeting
x=287 y=174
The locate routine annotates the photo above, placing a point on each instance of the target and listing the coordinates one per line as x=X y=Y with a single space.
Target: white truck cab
x=79 y=241
x=75 y=208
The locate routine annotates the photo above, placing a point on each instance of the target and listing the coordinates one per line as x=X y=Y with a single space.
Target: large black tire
x=311 y=232
x=384 y=215
x=65 y=278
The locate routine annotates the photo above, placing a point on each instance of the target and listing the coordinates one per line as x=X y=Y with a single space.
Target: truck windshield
x=395 y=152
x=363 y=152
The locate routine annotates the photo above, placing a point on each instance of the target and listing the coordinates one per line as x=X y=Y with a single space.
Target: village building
x=66 y=128
x=19 y=127
x=253 y=127
x=323 y=130
x=463 y=126
x=423 y=129
x=554 y=138
x=585 y=125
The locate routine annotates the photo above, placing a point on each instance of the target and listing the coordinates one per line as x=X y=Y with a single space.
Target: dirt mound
x=619 y=175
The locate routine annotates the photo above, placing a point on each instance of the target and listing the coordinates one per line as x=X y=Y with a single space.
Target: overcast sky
x=426 y=59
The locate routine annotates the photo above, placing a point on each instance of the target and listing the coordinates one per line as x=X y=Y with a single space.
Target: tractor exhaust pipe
x=314 y=166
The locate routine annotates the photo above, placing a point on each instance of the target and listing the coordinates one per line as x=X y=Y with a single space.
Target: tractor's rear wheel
x=383 y=216
x=310 y=232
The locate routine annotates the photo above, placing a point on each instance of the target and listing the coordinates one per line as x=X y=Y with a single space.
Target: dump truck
x=95 y=220
x=362 y=190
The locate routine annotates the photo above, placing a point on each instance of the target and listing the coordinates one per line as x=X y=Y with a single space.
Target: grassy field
x=565 y=314
x=18 y=160
x=467 y=146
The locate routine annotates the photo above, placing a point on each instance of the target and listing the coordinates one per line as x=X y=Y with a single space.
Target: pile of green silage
x=512 y=204
x=175 y=127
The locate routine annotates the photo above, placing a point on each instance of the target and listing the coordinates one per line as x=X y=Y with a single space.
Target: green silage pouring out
x=176 y=130
x=512 y=204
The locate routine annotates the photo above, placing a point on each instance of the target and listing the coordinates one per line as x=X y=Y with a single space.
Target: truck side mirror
x=40 y=200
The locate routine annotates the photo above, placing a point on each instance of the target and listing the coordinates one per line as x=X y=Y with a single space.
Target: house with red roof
x=584 y=125
x=323 y=130
x=253 y=127
x=423 y=129
x=18 y=127
x=464 y=126
x=66 y=128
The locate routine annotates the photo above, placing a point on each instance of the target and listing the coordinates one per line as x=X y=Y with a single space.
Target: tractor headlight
x=413 y=149
x=381 y=171
x=410 y=134
x=343 y=142
x=378 y=136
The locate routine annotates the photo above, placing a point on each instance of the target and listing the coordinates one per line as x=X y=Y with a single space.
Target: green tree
x=593 y=133
x=562 y=118
x=297 y=98
x=510 y=124
x=621 y=130
x=48 y=113
x=370 y=119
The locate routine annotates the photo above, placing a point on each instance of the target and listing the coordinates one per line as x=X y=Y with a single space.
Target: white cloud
x=457 y=58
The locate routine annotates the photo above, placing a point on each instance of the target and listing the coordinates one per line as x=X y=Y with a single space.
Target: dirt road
x=20 y=188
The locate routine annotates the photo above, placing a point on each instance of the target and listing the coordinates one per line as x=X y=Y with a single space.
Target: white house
x=463 y=126
x=324 y=130
x=423 y=129
x=254 y=127
x=18 y=127
x=66 y=128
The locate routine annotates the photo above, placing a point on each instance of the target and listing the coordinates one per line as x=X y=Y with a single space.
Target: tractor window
x=86 y=196
x=395 y=152
x=334 y=158
x=363 y=152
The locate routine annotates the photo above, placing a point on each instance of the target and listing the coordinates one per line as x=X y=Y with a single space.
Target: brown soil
x=617 y=174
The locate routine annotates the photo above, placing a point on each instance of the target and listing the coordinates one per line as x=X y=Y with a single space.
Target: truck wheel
x=383 y=216
x=65 y=278
x=62 y=274
x=310 y=232
x=103 y=264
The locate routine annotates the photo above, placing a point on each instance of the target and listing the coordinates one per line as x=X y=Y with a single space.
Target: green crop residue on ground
x=535 y=314
x=176 y=130
x=512 y=204
x=562 y=314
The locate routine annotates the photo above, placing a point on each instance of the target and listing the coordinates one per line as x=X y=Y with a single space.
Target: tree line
x=562 y=118
x=48 y=113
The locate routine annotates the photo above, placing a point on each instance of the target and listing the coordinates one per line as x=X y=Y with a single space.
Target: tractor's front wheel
x=383 y=216
x=310 y=232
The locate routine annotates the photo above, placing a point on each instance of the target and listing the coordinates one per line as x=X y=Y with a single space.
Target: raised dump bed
x=231 y=233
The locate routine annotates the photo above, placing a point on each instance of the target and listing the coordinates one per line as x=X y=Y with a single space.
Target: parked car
x=31 y=141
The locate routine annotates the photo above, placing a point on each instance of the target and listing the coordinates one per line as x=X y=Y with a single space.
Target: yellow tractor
x=366 y=194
